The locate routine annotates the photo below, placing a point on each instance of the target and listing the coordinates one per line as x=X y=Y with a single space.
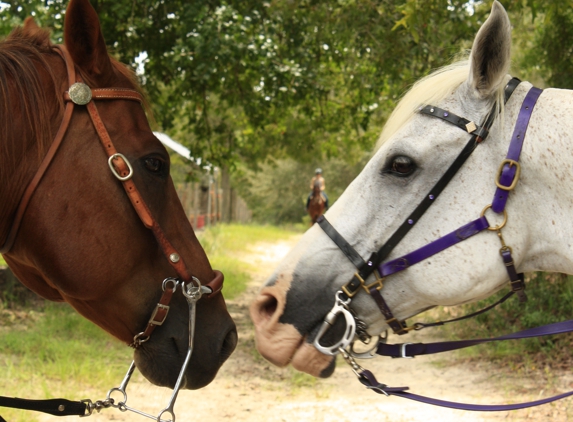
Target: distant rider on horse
x=317 y=178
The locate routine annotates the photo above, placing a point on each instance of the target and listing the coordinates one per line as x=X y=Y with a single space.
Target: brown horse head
x=80 y=239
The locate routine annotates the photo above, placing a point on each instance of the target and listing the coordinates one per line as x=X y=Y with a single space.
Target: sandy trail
x=250 y=389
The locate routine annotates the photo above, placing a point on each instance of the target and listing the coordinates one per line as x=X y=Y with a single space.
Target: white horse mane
x=432 y=89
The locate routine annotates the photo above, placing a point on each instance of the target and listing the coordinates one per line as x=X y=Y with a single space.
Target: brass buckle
x=348 y=292
x=515 y=178
x=367 y=287
x=378 y=283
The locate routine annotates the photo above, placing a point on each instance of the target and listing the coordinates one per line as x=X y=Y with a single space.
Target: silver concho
x=80 y=93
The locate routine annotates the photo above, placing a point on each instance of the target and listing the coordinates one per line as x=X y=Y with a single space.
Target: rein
x=506 y=180
x=79 y=94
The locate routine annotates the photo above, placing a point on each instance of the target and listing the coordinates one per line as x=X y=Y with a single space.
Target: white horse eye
x=401 y=166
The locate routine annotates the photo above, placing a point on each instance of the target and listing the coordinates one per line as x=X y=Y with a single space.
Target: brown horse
x=316 y=204
x=77 y=178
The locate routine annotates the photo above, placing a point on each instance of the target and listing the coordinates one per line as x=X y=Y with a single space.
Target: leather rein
x=506 y=180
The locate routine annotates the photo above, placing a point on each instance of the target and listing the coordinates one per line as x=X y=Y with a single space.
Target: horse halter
x=506 y=180
x=79 y=94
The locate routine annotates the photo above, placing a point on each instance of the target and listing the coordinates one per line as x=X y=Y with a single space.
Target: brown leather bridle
x=80 y=94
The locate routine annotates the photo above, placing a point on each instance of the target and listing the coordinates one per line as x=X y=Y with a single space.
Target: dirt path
x=251 y=390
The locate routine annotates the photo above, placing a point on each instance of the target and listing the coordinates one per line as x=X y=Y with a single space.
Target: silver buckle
x=403 y=352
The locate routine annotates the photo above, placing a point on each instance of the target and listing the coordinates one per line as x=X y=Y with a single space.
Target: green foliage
x=241 y=80
x=549 y=301
x=277 y=193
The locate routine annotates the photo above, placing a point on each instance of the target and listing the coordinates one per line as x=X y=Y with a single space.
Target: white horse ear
x=490 y=55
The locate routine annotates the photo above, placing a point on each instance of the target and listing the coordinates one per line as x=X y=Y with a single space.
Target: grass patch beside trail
x=56 y=353
x=549 y=300
x=224 y=242
x=53 y=352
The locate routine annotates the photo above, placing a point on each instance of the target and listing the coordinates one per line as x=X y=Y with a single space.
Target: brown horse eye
x=154 y=165
x=402 y=166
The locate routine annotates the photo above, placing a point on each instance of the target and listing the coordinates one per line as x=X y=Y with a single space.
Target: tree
x=241 y=80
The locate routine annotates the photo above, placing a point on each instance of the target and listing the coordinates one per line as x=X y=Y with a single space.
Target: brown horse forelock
x=26 y=79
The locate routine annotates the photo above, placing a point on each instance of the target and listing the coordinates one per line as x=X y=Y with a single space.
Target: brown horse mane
x=22 y=62
x=20 y=58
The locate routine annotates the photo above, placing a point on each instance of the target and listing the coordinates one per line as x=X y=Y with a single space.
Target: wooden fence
x=212 y=200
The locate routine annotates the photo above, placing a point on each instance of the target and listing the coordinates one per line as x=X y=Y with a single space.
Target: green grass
x=224 y=243
x=549 y=300
x=54 y=352
x=2 y=262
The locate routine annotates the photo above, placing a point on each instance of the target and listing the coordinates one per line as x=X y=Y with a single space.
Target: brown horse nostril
x=229 y=344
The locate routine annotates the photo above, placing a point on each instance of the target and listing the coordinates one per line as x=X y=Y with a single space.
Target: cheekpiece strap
x=510 y=169
x=344 y=246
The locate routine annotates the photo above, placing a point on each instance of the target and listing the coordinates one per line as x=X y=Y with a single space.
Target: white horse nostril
x=267 y=307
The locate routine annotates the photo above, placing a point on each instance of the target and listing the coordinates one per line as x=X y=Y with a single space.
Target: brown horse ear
x=30 y=26
x=38 y=35
x=85 y=42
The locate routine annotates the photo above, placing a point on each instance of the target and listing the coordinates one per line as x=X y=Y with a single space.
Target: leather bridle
x=80 y=95
x=374 y=264
x=506 y=180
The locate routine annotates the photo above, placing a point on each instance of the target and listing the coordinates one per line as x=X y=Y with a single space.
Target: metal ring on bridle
x=114 y=171
x=370 y=353
x=192 y=291
x=170 y=280
x=119 y=403
x=138 y=339
x=498 y=227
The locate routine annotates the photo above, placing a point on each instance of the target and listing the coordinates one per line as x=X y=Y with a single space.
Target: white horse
x=415 y=151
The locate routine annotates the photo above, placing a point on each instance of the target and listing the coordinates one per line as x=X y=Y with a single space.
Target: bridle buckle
x=511 y=163
x=376 y=284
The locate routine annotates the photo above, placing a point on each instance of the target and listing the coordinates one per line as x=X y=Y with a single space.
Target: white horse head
x=415 y=150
